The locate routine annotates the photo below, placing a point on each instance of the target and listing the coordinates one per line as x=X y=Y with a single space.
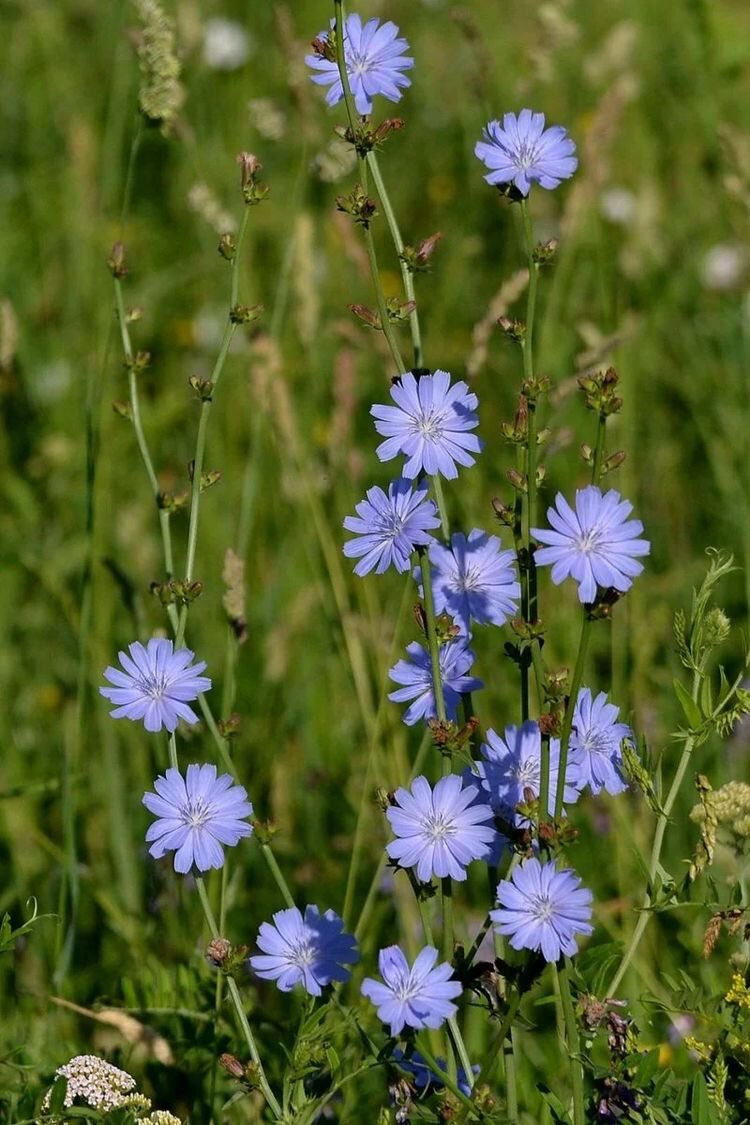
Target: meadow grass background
x=656 y=97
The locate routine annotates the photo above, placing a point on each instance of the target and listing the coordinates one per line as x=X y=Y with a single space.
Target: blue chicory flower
x=389 y=528
x=456 y=658
x=439 y=831
x=474 y=580
x=542 y=908
x=512 y=764
x=596 y=544
x=596 y=743
x=156 y=685
x=429 y=424
x=521 y=152
x=196 y=815
x=418 y=997
x=424 y=1078
x=311 y=951
x=375 y=59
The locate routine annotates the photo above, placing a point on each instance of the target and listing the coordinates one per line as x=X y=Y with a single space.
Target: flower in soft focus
x=521 y=151
x=424 y=1078
x=429 y=424
x=596 y=545
x=439 y=831
x=456 y=658
x=512 y=764
x=416 y=997
x=595 y=743
x=618 y=205
x=375 y=60
x=196 y=815
x=543 y=909
x=95 y=1082
x=311 y=951
x=226 y=44
x=723 y=266
x=156 y=686
x=389 y=528
x=474 y=580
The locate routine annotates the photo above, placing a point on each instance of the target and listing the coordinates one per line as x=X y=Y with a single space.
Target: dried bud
x=203 y=388
x=367 y=316
x=232 y=1066
x=359 y=205
x=245 y=314
x=518 y=480
x=383 y=799
x=252 y=189
x=399 y=310
x=213 y=476
x=229 y=726
x=133 y=315
x=544 y=252
x=513 y=329
x=227 y=247
x=218 y=951
x=116 y=261
x=324 y=46
x=550 y=724
x=265 y=830
x=420 y=617
x=504 y=514
x=599 y=392
x=172 y=501
x=613 y=462
x=417 y=259
x=364 y=137
x=122 y=408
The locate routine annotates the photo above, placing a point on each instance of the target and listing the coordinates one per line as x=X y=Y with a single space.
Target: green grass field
x=655 y=95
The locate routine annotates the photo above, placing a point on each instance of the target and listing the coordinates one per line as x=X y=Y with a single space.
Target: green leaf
x=703 y=1110
x=57 y=1095
x=688 y=704
x=647 y=1068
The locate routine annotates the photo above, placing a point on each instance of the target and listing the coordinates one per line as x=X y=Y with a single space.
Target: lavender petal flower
x=521 y=152
x=418 y=997
x=595 y=544
x=389 y=528
x=156 y=685
x=456 y=658
x=375 y=59
x=311 y=951
x=196 y=815
x=543 y=909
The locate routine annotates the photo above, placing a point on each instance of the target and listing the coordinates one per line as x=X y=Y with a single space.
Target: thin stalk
x=200 y=444
x=281 y=882
x=574 y=1046
x=656 y=847
x=437 y=486
x=234 y=992
x=433 y=645
x=173 y=752
x=398 y=242
x=140 y=437
x=351 y=113
x=567 y=726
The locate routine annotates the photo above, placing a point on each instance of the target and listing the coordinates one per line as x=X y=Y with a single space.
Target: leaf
x=57 y=1095
x=688 y=704
x=647 y=1068
x=704 y=1112
x=557 y=1109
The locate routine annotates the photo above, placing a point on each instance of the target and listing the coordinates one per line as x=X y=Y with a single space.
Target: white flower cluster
x=100 y=1085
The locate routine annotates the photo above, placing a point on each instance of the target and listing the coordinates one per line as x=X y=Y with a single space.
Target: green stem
x=370 y=245
x=234 y=992
x=281 y=882
x=567 y=726
x=406 y=274
x=574 y=1045
x=437 y=486
x=433 y=645
x=173 y=760
x=656 y=847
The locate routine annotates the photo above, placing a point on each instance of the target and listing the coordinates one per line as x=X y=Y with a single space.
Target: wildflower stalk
x=398 y=242
x=573 y=1043
x=234 y=992
x=450 y=1083
x=200 y=445
x=275 y=870
x=385 y=321
x=173 y=751
x=653 y=867
x=148 y=464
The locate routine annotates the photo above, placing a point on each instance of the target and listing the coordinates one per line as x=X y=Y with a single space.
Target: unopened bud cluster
x=599 y=392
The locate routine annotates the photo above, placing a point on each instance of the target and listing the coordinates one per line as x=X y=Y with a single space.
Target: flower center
x=359 y=65
x=405 y=988
x=430 y=426
x=528 y=773
x=303 y=952
x=595 y=741
x=196 y=813
x=525 y=155
x=154 y=686
x=589 y=541
x=542 y=907
x=438 y=826
x=471 y=579
x=392 y=525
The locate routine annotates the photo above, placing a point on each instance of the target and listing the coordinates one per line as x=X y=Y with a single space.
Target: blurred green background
x=653 y=275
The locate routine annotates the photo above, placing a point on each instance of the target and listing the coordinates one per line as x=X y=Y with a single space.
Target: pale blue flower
x=375 y=59
x=311 y=951
x=429 y=424
x=156 y=685
x=474 y=580
x=418 y=997
x=543 y=909
x=389 y=528
x=455 y=659
x=521 y=152
x=196 y=815
x=439 y=831
x=510 y=769
x=596 y=743
x=596 y=545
